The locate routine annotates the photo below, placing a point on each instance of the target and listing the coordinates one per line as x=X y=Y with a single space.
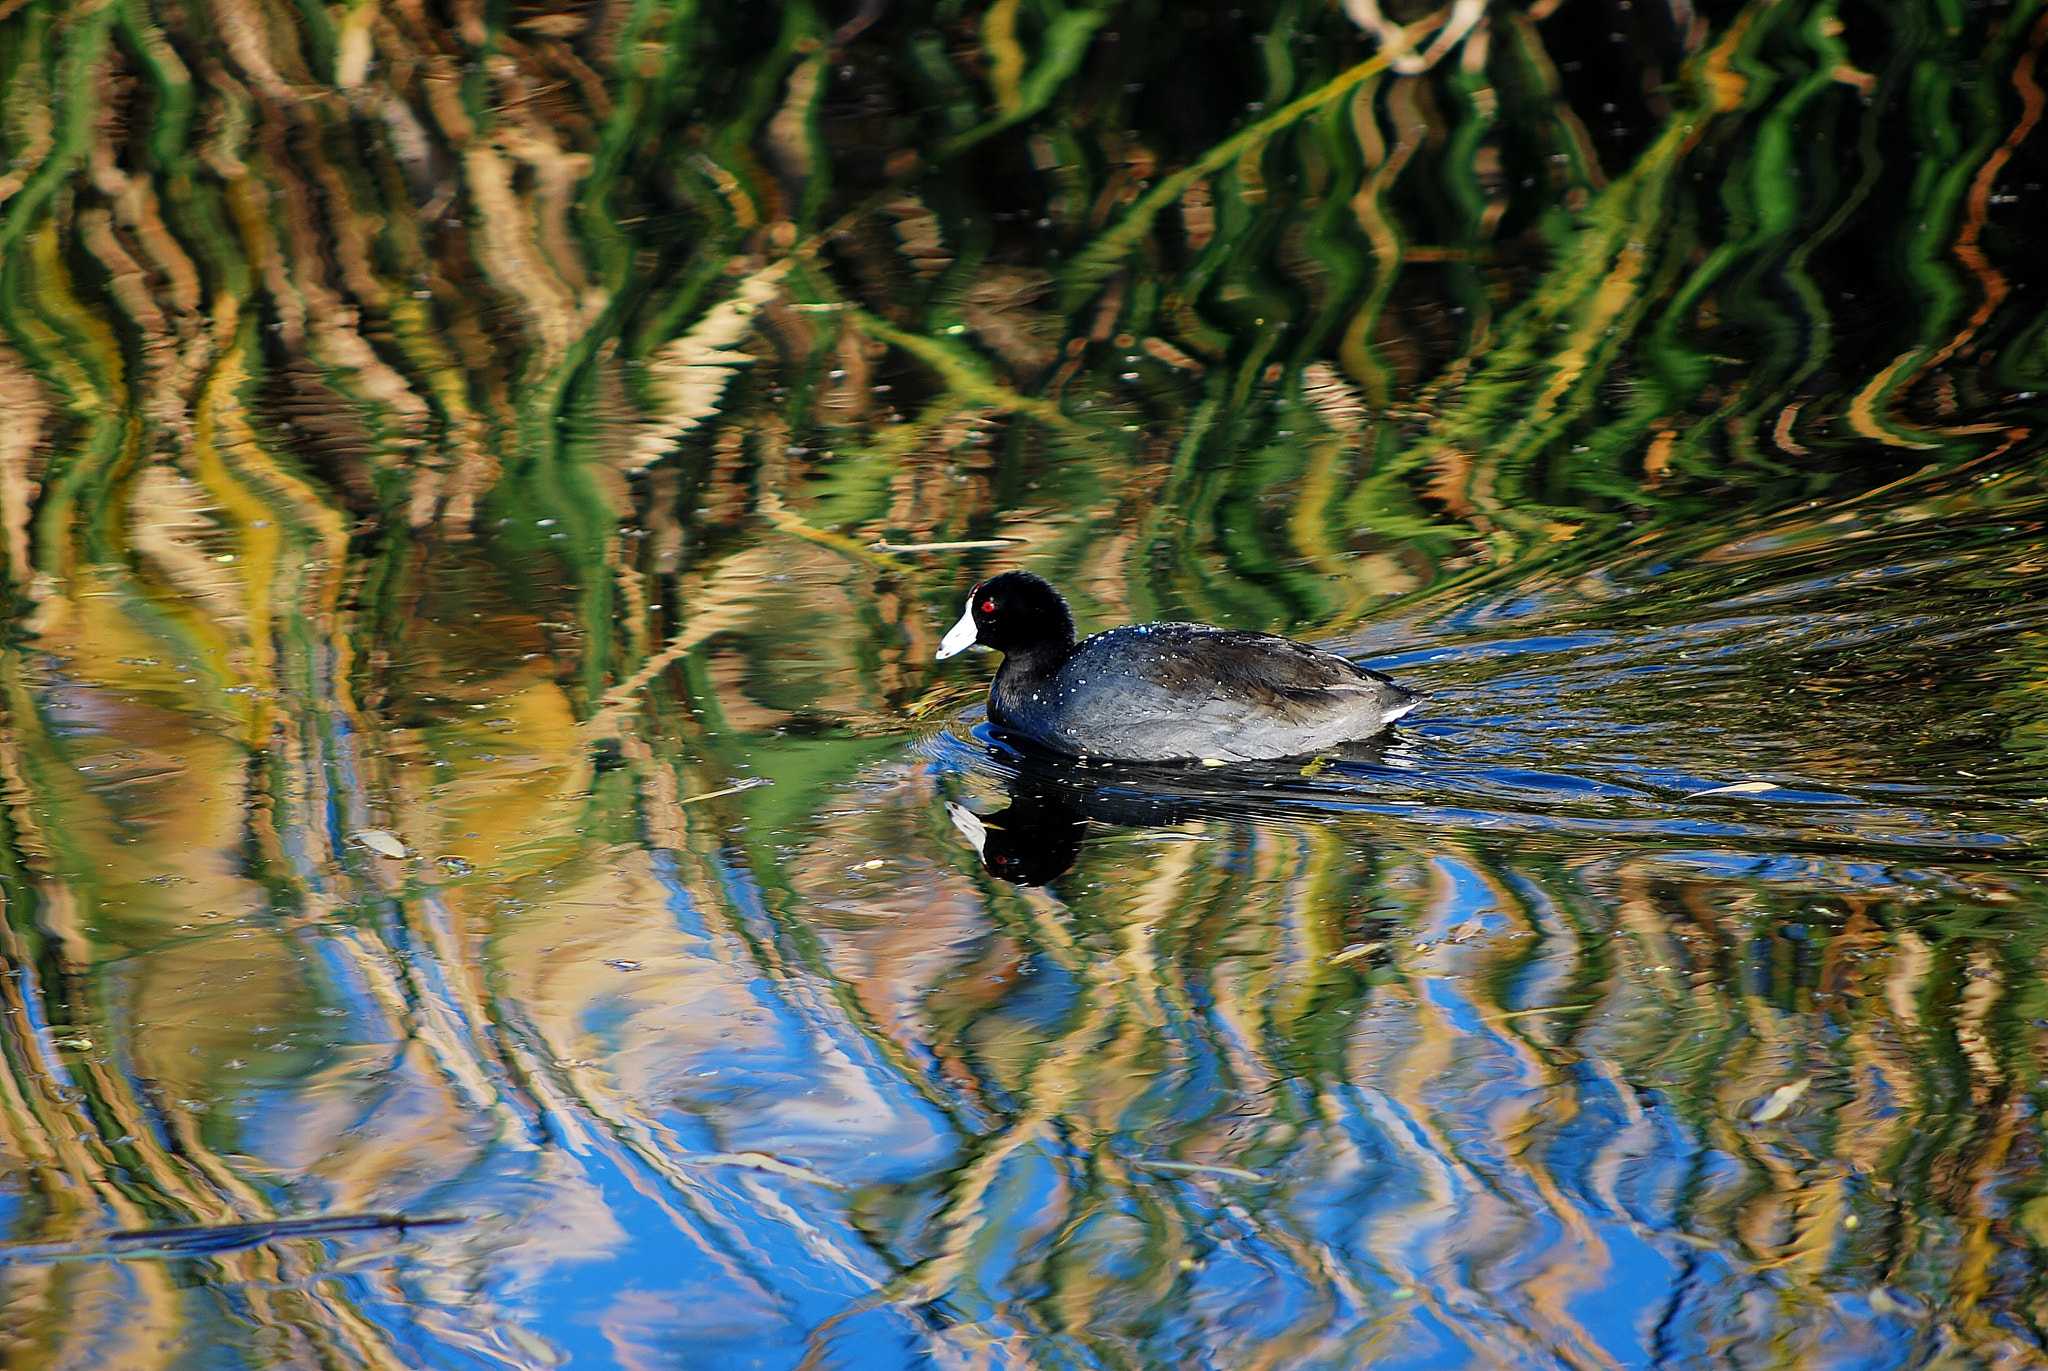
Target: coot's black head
x=1013 y=612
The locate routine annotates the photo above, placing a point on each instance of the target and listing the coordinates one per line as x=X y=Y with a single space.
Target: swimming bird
x=1167 y=691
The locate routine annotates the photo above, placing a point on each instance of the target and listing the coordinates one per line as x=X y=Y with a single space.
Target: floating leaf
x=380 y=841
x=1739 y=788
x=211 y=1238
x=761 y=1161
x=1780 y=1100
x=750 y=783
x=1238 y=1173
x=969 y=545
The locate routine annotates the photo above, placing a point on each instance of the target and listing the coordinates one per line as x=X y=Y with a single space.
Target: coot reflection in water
x=1053 y=799
x=1034 y=841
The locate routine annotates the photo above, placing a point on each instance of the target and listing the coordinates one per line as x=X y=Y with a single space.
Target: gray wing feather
x=1187 y=690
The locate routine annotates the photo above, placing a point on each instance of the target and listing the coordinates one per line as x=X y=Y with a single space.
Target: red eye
x=988 y=606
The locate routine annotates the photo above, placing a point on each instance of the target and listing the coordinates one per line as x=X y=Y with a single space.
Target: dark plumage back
x=1169 y=691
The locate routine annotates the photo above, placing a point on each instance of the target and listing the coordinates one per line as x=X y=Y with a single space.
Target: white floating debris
x=750 y=783
x=1780 y=1100
x=1884 y=1301
x=1238 y=1173
x=761 y=1161
x=380 y=841
x=972 y=545
x=1739 y=788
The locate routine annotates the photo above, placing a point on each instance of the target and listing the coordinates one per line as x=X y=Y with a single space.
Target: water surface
x=495 y=877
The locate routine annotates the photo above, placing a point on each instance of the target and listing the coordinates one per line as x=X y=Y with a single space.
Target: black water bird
x=1164 y=692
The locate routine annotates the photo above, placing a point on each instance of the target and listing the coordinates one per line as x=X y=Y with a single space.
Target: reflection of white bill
x=970 y=825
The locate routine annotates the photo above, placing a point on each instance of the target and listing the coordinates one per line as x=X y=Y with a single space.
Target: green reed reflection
x=516 y=432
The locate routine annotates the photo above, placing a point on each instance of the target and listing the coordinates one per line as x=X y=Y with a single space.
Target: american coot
x=1164 y=692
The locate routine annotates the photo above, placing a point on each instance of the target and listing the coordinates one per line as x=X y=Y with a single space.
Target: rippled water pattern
x=494 y=876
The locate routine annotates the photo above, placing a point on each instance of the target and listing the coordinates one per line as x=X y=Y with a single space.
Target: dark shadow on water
x=1053 y=798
